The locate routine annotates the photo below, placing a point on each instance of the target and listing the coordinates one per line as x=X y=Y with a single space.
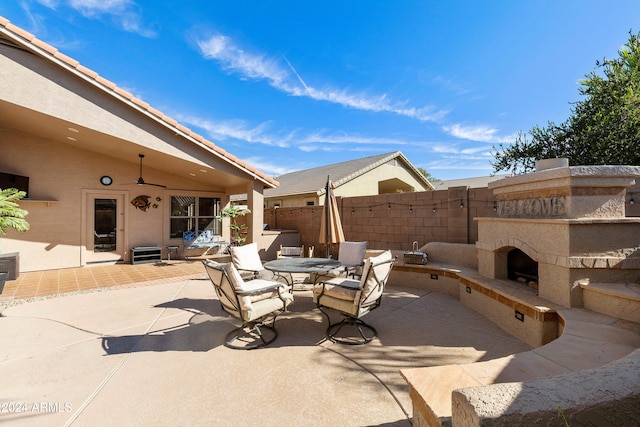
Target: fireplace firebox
x=522 y=268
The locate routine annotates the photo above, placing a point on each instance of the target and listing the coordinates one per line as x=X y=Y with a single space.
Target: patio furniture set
x=247 y=293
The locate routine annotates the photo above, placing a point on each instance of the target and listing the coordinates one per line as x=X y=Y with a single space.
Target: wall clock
x=106 y=180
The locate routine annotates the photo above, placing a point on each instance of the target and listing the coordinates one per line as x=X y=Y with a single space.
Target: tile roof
x=476 y=182
x=28 y=41
x=314 y=180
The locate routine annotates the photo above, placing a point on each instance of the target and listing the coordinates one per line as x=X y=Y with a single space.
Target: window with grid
x=190 y=213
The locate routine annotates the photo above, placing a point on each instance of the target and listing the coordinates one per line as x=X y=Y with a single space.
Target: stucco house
x=367 y=176
x=73 y=140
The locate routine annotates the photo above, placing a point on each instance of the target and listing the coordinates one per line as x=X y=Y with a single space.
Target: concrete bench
x=616 y=299
x=609 y=395
x=589 y=340
x=586 y=340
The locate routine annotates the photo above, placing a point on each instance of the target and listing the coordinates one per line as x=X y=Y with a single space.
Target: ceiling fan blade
x=141 y=181
x=155 y=185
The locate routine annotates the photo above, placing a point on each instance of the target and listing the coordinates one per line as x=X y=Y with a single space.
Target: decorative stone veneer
x=571 y=220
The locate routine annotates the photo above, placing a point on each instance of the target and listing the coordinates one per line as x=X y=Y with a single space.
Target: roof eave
x=33 y=44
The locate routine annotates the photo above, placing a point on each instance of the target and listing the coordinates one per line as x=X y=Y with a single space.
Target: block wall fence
x=395 y=221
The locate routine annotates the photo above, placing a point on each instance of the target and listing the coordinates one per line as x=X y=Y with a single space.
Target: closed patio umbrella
x=331 y=225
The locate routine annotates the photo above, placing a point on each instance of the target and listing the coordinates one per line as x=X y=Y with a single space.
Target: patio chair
x=290 y=252
x=247 y=261
x=351 y=256
x=354 y=299
x=253 y=302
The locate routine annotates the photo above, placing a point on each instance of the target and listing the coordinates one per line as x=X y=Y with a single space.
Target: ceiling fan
x=141 y=181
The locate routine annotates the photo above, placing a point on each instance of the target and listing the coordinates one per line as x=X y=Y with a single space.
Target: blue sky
x=290 y=85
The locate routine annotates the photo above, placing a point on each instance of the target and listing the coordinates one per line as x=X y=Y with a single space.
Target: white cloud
x=453 y=149
x=480 y=133
x=120 y=10
x=268 y=167
x=319 y=140
x=236 y=129
x=91 y=7
x=235 y=59
x=51 y=4
x=344 y=138
x=289 y=81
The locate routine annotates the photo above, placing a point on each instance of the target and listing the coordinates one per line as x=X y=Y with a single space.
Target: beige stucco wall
x=294 y=201
x=59 y=174
x=367 y=184
x=363 y=185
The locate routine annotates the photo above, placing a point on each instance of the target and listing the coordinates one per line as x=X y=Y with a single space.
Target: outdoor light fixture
x=410 y=208
x=434 y=209
x=461 y=204
x=495 y=206
x=631 y=201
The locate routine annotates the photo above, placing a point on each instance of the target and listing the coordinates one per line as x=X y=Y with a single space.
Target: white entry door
x=104 y=239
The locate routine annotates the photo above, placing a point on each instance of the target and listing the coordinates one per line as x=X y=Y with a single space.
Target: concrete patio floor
x=153 y=355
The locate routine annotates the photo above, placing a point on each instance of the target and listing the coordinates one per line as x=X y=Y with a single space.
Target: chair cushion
x=344 y=306
x=266 y=306
x=246 y=257
x=368 y=280
x=340 y=288
x=238 y=284
x=248 y=303
x=352 y=253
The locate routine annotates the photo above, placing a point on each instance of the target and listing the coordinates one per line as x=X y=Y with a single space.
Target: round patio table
x=300 y=265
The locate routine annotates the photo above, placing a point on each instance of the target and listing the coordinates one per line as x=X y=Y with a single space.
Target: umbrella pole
x=326 y=218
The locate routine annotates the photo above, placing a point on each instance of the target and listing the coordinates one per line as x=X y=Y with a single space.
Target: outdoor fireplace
x=560 y=228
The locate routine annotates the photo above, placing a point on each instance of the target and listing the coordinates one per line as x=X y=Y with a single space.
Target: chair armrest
x=261 y=290
x=354 y=284
x=343 y=283
x=352 y=270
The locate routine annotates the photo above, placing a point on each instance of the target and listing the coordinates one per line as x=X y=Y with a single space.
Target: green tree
x=11 y=215
x=427 y=175
x=603 y=128
x=237 y=230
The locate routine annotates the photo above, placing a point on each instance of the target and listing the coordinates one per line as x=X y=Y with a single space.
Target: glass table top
x=301 y=265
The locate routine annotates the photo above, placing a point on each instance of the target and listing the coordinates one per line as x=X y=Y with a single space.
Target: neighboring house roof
x=314 y=180
x=477 y=182
x=21 y=38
